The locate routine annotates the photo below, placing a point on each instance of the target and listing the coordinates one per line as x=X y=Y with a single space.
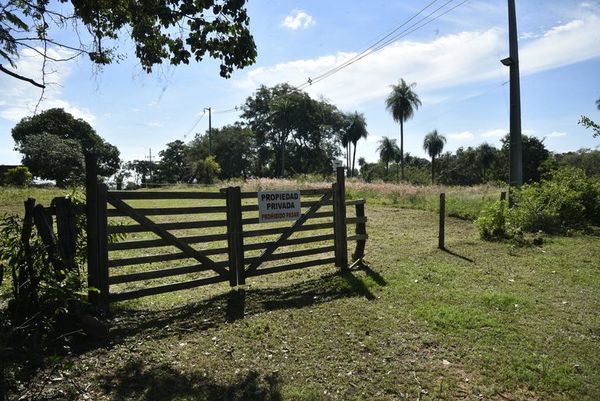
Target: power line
x=310 y=80
x=412 y=28
x=196 y=123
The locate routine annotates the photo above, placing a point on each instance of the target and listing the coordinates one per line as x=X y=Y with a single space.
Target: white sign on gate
x=278 y=206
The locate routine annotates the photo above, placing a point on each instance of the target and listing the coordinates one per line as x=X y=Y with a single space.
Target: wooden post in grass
x=91 y=209
x=235 y=239
x=339 y=220
x=102 y=245
x=441 y=234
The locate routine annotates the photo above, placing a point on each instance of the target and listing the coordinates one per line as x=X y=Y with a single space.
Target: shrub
x=492 y=221
x=207 y=170
x=18 y=177
x=567 y=200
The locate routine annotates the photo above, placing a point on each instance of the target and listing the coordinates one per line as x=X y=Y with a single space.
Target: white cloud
x=445 y=62
x=556 y=134
x=23 y=97
x=494 y=133
x=462 y=136
x=298 y=19
x=371 y=138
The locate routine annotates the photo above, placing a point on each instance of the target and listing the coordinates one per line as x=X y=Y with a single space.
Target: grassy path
x=483 y=321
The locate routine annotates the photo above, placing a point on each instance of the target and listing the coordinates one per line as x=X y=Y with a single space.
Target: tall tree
x=172 y=166
x=356 y=131
x=233 y=147
x=486 y=155
x=174 y=31
x=402 y=102
x=433 y=144
x=387 y=149
x=62 y=125
x=293 y=132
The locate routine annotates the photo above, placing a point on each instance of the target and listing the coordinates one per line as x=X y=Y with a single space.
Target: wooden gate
x=226 y=244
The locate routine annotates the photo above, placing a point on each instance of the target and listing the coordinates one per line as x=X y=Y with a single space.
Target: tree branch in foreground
x=22 y=78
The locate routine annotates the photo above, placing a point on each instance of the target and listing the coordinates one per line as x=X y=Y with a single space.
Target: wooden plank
x=303 y=192
x=153 y=243
x=340 y=230
x=358 y=237
x=91 y=201
x=130 y=195
x=289 y=242
x=361 y=229
x=317 y=215
x=356 y=220
x=103 y=284
x=235 y=239
x=148 y=275
x=165 y=235
x=147 y=259
x=302 y=252
x=292 y=266
x=285 y=235
x=280 y=230
x=168 y=211
x=66 y=230
x=353 y=202
x=184 y=225
x=122 y=296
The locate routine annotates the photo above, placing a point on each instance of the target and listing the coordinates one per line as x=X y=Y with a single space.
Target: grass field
x=479 y=321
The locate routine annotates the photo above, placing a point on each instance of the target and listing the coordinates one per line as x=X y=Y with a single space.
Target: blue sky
x=454 y=60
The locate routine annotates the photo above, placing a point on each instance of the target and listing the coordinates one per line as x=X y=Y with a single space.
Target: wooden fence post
x=339 y=220
x=361 y=229
x=235 y=238
x=91 y=208
x=102 y=245
x=441 y=235
x=65 y=227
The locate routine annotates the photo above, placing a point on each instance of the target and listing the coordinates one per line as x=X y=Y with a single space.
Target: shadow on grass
x=457 y=255
x=161 y=382
x=237 y=304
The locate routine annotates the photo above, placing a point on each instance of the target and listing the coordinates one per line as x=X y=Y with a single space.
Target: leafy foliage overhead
x=176 y=31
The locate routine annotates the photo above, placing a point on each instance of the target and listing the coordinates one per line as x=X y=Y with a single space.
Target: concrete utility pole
x=515 y=157
x=209 y=130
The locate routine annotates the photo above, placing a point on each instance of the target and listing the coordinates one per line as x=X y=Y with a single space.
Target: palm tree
x=402 y=103
x=387 y=149
x=356 y=131
x=397 y=159
x=433 y=144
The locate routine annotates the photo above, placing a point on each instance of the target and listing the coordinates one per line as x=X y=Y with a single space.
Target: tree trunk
x=402 y=149
x=353 y=160
x=432 y=169
x=282 y=159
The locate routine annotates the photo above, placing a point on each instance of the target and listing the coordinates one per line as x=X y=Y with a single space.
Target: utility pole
x=209 y=129
x=515 y=157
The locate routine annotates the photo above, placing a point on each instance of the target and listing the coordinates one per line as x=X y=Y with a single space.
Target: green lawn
x=482 y=321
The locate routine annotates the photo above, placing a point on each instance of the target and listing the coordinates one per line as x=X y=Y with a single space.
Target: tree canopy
x=294 y=133
x=54 y=131
x=176 y=31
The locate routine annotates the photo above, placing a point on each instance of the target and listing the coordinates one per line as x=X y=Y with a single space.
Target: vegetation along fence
x=139 y=240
